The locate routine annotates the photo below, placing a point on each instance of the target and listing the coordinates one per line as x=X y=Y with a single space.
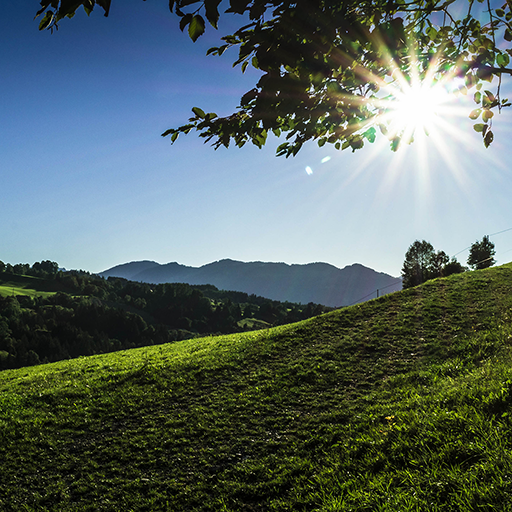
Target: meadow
x=26 y=286
x=401 y=403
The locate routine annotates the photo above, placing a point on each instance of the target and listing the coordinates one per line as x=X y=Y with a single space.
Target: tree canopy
x=481 y=254
x=336 y=71
x=423 y=263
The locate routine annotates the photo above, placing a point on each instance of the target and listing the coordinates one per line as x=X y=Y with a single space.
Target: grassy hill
x=400 y=403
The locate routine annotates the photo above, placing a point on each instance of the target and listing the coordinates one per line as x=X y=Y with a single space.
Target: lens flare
x=421 y=104
x=417 y=106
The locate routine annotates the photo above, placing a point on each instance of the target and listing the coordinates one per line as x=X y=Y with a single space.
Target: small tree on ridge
x=481 y=254
x=422 y=263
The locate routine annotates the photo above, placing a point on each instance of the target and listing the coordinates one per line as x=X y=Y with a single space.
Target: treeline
x=40 y=330
x=423 y=263
x=91 y=315
x=44 y=269
x=201 y=309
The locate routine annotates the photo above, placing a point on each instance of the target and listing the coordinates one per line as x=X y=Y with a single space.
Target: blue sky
x=87 y=180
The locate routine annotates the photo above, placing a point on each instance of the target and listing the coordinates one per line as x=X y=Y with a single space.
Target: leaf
x=217 y=50
x=248 y=97
x=502 y=60
x=45 y=4
x=105 y=4
x=47 y=19
x=475 y=114
x=370 y=134
x=490 y=96
x=171 y=4
x=238 y=6
x=356 y=143
x=282 y=149
x=334 y=88
x=174 y=136
x=488 y=114
x=212 y=12
x=262 y=138
x=479 y=127
x=477 y=97
x=489 y=137
x=431 y=33
x=198 y=112
x=196 y=27
x=185 y=20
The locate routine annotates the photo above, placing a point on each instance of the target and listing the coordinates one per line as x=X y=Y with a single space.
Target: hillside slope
x=320 y=283
x=401 y=403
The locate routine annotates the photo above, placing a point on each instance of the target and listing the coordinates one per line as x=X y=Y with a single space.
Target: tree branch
x=492 y=69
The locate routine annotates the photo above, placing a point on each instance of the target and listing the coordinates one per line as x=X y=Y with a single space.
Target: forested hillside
x=53 y=315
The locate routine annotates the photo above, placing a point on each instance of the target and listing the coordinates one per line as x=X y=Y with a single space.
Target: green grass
x=12 y=284
x=253 y=323
x=401 y=403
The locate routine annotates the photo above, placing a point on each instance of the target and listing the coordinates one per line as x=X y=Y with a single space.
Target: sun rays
x=424 y=112
x=416 y=107
x=420 y=103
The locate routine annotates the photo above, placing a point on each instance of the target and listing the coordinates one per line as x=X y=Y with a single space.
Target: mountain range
x=320 y=283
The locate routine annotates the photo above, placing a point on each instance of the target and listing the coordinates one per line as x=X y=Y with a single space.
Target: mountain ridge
x=318 y=282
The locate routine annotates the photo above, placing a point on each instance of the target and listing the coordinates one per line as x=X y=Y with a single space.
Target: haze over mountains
x=320 y=283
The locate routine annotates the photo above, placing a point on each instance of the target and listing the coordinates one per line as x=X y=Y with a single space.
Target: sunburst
x=420 y=104
x=417 y=106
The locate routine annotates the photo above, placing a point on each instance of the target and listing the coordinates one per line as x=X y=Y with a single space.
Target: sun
x=419 y=103
x=417 y=106
x=422 y=112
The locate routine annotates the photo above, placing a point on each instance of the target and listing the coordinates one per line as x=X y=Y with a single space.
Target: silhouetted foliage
x=326 y=66
x=422 y=263
x=453 y=267
x=481 y=254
